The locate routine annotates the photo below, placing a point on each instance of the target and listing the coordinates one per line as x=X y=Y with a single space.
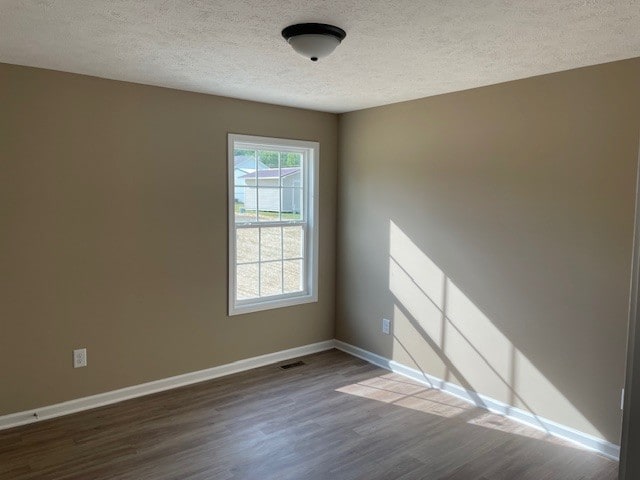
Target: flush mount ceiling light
x=313 y=40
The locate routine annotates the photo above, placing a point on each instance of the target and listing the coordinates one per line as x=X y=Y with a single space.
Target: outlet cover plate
x=386 y=326
x=80 y=358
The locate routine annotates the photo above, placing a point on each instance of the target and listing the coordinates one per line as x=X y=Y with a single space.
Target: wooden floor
x=336 y=417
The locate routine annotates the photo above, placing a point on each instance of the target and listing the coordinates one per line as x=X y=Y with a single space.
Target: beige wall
x=495 y=227
x=113 y=234
x=629 y=459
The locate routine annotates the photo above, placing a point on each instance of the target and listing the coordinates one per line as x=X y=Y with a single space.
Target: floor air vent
x=292 y=365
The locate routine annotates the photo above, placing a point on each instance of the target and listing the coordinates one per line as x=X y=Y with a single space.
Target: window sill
x=262 y=304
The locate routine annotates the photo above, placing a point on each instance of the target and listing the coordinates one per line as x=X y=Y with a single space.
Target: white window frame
x=310 y=168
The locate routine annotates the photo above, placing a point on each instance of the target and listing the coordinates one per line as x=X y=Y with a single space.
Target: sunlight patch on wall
x=411 y=296
x=418 y=268
x=408 y=338
x=439 y=329
x=481 y=352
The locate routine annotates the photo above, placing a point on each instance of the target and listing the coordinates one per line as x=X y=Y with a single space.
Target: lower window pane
x=271 y=243
x=270 y=278
x=292 y=241
x=293 y=281
x=247 y=282
x=247 y=245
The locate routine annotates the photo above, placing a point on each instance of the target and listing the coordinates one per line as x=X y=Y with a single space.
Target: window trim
x=311 y=225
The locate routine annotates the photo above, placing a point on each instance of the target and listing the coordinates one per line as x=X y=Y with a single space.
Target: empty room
x=319 y=240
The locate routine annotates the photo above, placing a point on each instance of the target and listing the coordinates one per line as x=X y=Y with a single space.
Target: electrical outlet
x=622 y=400
x=386 y=326
x=80 y=358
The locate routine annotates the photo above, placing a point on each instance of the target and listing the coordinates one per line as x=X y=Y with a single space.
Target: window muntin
x=272 y=223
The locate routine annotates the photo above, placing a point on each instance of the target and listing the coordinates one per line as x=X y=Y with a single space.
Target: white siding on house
x=269 y=198
x=239 y=182
x=243 y=166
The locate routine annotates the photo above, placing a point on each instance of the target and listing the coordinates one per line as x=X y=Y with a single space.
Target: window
x=273 y=223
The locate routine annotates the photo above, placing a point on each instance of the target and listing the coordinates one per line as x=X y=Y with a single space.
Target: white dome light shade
x=314 y=46
x=313 y=40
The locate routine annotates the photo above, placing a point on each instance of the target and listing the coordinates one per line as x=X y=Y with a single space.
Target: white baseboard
x=107 y=398
x=585 y=440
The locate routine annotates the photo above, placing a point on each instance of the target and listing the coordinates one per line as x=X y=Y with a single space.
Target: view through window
x=272 y=222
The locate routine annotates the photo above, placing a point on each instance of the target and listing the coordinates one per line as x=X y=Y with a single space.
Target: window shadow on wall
x=440 y=331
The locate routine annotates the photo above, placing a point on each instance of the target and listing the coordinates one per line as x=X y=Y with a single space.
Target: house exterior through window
x=273 y=229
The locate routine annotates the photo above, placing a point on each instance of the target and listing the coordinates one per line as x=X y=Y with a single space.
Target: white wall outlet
x=80 y=358
x=386 y=326
x=622 y=400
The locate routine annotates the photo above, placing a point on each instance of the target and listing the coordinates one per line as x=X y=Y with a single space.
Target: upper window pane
x=280 y=187
x=268 y=204
x=244 y=204
x=245 y=165
x=268 y=176
x=292 y=203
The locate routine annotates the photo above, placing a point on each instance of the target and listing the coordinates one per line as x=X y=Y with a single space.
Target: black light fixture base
x=313 y=29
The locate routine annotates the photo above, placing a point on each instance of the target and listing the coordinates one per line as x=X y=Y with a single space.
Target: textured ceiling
x=395 y=49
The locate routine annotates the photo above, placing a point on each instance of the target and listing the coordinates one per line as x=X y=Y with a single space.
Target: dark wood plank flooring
x=337 y=417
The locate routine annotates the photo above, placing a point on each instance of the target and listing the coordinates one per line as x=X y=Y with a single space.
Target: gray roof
x=246 y=162
x=273 y=173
